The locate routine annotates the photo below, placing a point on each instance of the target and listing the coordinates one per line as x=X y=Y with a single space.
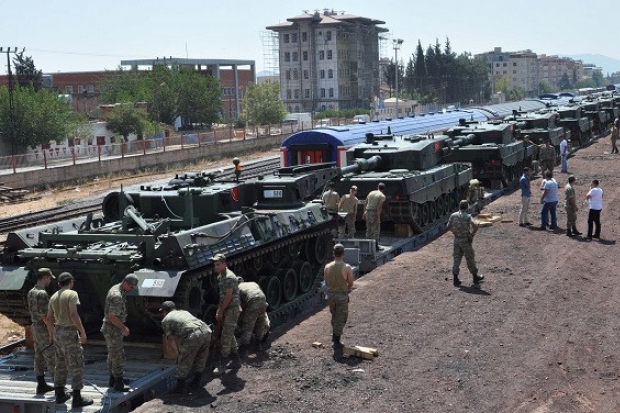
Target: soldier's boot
x=236 y=361
x=220 y=366
x=337 y=342
x=455 y=280
x=575 y=232
x=79 y=401
x=119 y=384
x=111 y=381
x=263 y=344
x=569 y=232
x=179 y=387
x=242 y=351
x=196 y=382
x=478 y=279
x=42 y=386
x=61 y=395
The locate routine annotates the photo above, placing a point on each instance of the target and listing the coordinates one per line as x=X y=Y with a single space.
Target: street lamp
x=396 y=44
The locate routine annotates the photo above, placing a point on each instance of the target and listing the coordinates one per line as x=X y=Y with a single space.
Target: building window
x=514 y=72
x=295 y=75
x=287 y=57
x=294 y=38
x=514 y=64
x=80 y=89
x=304 y=54
x=69 y=90
x=496 y=64
x=288 y=74
x=296 y=93
x=330 y=74
x=321 y=55
x=322 y=92
x=306 y=74
x=505 y=64
x=285 y=38
x=304 y=37
x=288 y=94
x=331 y=92
x=322 y=73
x=90 y=89
x=329 y=55
x=328 y=35
x=323 y=108
x=307 y=93
x=295 y=56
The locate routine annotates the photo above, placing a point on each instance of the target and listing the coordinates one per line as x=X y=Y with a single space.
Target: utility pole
x=396 y=43
x=11 y=130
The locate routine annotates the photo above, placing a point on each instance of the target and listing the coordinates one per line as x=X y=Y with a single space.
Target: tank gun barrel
x=464 y=140
x=361 y=165
x=131 y=212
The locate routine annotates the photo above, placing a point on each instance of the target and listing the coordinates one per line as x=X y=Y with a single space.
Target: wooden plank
x=374 y=351
x=353 y=351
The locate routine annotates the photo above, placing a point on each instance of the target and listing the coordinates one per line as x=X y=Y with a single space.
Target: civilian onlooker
x=526 y=193
x=595 y=197
x=549 y=199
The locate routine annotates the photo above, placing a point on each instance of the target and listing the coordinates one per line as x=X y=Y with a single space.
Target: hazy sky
x=69 y=35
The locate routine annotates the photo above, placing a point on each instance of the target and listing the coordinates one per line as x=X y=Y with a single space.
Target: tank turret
x=573 y=119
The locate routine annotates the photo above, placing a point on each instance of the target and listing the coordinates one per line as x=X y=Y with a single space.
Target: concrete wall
x=66 y=174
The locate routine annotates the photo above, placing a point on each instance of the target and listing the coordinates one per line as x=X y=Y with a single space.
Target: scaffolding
x=271 y=52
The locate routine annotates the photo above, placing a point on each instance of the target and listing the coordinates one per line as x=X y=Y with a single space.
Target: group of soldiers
x=58 y=333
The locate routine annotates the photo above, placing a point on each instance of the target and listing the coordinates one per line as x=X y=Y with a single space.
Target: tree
x=199 y=98
x=263 y=105
x=126 y=119
x=546 y=87
x=597 y=77
x=564 y=82
x=26 y=72
x=125 y=86
x=39 y=117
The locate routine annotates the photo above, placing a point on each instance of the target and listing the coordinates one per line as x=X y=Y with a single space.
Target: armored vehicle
x=599 y=118
x=270 y=229
x=419 y=189
x=496 y=156
x=579 y=125
x=539 y=126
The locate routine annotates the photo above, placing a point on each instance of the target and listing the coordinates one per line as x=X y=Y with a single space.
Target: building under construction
x=328 y=60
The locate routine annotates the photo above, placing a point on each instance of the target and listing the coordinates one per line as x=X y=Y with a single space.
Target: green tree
x=583 y=83
x=502 y=85
x=262 y=104
x=546 y=87
x=122 y=86
x=126 y=119
x=39 y=117
x=26 y=72
x=564 y=82
x=199 y=98
x=597 y=77
x=419 y=70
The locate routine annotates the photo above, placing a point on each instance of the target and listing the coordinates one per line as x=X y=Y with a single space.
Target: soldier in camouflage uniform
x=190 y=338
x=42 y=330
x=571 y=208
x=114 y=329
x=330 y=199
x=338 y=277
x=69 y=335
x=253 y=318
x=372 y=213
x=227 y=313
x=464 y=228
x=348 y=204
x=547 y=157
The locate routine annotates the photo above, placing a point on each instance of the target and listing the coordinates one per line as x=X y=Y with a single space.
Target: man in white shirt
x=595 y=197
x=564 y=154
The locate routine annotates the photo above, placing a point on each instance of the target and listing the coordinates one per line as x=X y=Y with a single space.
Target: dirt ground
x=540 y=336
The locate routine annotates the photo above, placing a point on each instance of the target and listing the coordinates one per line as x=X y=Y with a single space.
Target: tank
x=599 y=118
x=496 y=156
x=579 y=125
x=420 y=191
x=270 y=228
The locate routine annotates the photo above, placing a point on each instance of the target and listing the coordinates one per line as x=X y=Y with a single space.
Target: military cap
x=338 y=249
x=45 y=272
x=131 y=279
x=219 y=257
x=167 y=306
x=65 y=276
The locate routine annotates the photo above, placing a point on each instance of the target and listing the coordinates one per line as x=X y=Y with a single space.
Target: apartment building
x=552 y=68
x=328 y=60
x=520 y=68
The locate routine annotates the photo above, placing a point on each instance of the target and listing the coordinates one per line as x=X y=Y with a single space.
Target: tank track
x=14 y=305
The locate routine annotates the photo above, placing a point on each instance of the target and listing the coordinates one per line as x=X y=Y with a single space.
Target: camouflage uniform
x=571 y=214
x=115 y=303
x=193 y=338
x=373 y=227
x=547 y=157
x=348 y=204
x=228 y=343
x=331 y=198
x=254 y=316
x=337 y=295
x=459 y=223
x=69 y=351
x=38 y=300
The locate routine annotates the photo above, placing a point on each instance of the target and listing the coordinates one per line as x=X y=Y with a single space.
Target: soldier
x=339 y=281
x=42 y=330
x=330 y=199
x=114 y=329
x=547 y=157
x=615 y=134
x=227 y=313
x=190 y=339
x=571 y=208
x=372 y=213
x=253 y=318
x=348 y=204
x=464 y=228
x=69 y=335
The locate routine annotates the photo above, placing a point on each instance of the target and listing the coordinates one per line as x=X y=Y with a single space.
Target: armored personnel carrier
x=270 y=229
x=419 y=189
x=496 y=156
